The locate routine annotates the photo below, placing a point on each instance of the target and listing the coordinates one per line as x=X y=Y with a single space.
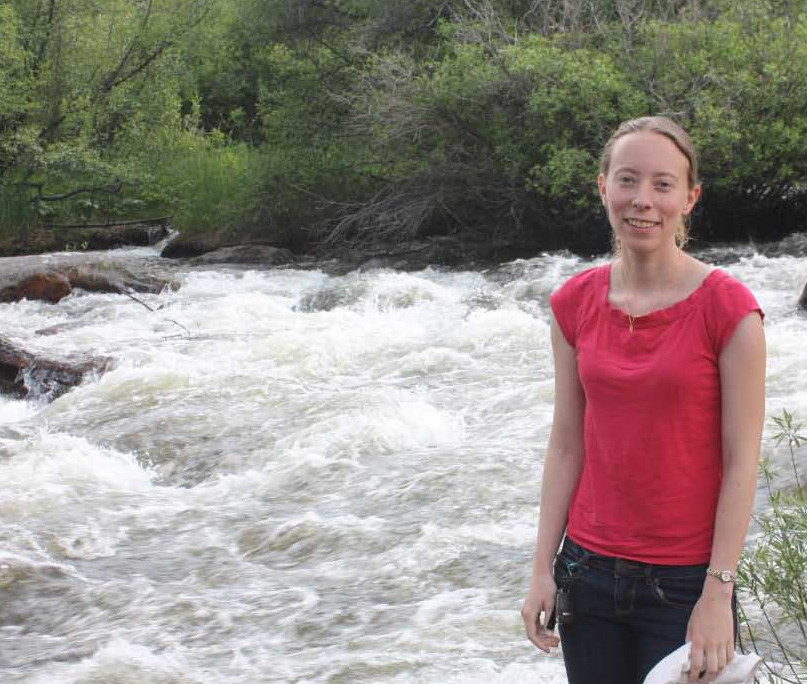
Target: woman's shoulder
x=728 y=300
x=592 y=279
x=576 y=299
x=724 y=288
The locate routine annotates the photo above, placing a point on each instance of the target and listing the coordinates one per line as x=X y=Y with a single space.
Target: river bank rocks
x=252 y=255
x=341 y=258
x=443 y=251
x=218 y=250
x=26 y=375
x=92 y=238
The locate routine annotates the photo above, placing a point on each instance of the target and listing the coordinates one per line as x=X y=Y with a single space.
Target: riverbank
x=453 y=251
x=75 y=238
x=335 y=256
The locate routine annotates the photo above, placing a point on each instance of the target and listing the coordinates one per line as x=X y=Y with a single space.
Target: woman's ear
x=601 y=188
x=692 y=199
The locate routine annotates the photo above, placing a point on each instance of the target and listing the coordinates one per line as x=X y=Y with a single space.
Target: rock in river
x=23 y=374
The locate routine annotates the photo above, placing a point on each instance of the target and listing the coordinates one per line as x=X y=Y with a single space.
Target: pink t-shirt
x=652 y=426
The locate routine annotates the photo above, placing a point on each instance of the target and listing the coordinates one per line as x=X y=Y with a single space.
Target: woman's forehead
x=648 y=151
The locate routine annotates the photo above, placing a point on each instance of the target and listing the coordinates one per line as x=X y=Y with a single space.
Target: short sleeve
x=574 y=298
x=563 y=308
x=730 y=302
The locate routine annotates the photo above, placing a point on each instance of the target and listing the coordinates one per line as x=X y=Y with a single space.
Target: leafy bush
x=774 y=571
x=369 y=119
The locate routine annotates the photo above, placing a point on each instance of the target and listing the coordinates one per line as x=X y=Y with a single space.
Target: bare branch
x=109 y=189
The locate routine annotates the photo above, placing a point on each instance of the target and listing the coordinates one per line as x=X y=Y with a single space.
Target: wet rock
x=26 y=375
x=329 y=298
x=48 y=286
x=58 y=329
x=183 y=247
x=803 y=299
x=259 y=255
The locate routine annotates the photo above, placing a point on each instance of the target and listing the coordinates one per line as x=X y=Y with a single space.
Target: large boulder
x=187 y=246
x=23 y=374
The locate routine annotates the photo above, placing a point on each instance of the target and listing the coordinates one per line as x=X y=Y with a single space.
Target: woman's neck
x=648 y=272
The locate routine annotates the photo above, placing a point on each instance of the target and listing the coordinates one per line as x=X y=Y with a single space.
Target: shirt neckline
x=659 y=316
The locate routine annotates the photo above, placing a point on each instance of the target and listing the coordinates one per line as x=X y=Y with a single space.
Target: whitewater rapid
x=295 y=477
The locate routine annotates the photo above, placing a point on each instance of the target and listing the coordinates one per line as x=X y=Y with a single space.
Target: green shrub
x=774 y=571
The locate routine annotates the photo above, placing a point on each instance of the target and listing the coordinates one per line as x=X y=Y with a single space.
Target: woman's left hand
x=711 y=632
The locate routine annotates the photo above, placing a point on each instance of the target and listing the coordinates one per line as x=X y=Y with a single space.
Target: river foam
x=287 y=476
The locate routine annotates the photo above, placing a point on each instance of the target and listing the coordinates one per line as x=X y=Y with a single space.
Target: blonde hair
x=670 y=130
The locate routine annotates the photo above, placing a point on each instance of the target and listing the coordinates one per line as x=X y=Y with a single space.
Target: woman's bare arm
x=562 y=467
x=742 y=387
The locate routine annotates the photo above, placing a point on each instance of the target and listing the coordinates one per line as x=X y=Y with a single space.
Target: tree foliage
x=365 y=119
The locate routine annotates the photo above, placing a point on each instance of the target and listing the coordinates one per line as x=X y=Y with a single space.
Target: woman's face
x=646 y=191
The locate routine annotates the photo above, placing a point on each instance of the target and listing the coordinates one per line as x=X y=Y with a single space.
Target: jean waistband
x=577 y=556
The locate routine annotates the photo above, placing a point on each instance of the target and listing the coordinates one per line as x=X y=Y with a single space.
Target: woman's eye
x=625 y=180
x=663 y=185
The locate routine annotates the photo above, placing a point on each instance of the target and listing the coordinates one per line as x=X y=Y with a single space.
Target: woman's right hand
x=538 y=606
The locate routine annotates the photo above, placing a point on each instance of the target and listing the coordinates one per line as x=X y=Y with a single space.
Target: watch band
x=725 y=576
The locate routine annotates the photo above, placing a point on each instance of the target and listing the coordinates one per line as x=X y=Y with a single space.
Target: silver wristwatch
x=724 y=576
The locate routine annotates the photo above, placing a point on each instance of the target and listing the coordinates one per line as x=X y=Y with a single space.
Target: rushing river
x=293 y=477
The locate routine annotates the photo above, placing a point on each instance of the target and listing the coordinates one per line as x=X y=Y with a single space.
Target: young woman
x=651 y=466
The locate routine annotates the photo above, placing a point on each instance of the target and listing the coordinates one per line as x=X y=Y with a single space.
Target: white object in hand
x=674 y=669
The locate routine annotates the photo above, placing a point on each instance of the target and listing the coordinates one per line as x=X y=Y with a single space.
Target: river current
x=295 y=477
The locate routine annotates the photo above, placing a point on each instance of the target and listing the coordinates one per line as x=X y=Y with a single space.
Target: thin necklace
x=625 y=300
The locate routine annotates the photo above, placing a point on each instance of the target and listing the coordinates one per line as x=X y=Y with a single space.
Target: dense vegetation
x=301 y=120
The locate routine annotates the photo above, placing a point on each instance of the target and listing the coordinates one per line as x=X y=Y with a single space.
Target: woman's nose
x=642 y=199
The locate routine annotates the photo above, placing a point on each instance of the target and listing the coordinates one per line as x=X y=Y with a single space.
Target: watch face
x=725 y=576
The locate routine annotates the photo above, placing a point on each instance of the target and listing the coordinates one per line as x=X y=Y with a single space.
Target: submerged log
x=98 y=278
x=27 y=375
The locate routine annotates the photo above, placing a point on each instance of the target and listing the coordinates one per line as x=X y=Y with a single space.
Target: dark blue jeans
x=626 y=615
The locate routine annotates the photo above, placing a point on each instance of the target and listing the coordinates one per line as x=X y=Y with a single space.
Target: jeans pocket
x=677 y=592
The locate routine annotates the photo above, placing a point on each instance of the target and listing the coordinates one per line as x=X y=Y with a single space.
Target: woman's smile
x=641 y=224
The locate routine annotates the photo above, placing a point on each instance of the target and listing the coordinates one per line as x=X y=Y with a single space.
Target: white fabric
x=674 y=669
